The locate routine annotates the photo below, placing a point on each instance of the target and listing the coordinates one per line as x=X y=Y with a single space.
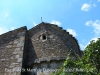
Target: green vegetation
x=88 y=64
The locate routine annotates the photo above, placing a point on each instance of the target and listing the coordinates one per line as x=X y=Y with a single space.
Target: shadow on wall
x=31 y=56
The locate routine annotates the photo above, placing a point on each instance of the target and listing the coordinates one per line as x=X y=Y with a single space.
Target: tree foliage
x=88 y=64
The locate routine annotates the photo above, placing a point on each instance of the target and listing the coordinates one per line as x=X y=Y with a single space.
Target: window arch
x=43 y=37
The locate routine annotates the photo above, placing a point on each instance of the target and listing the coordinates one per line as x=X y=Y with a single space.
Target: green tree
x=92 y=54
x=88 y=64
x=75 y=66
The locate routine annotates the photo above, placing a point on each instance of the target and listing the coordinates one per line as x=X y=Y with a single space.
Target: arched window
x=43 y=37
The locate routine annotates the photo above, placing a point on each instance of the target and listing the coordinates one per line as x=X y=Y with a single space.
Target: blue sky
x=79 y=17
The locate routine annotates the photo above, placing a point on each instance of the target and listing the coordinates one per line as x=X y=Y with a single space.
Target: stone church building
x=35 y=51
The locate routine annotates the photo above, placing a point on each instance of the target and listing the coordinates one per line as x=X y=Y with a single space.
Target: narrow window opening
x=34 y=74
x=44 y=37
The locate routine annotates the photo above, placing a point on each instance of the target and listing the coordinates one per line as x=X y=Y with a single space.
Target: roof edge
x=21 y=28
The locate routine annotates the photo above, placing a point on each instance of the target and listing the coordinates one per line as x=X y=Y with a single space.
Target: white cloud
x=56 y=22
x=95 y=39
x=12 y=28
x=88 y=23
x=82 y=46
x=3 y=30
x=70 y=4
x=71 y=31
x=10 y=20
x=98 y=0
x=6 y=14
x=86 y=7
x=95 y=24
x=34 y=24
x=94 y=5
x=90 y=1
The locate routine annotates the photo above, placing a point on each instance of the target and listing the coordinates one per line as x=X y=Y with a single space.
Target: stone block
x=19 y=34
x=16 y=41
x=10 y=42
x=17 y=56
x=19 y=60
x=9 y=46
x=22 y=38
x=20 y=44
x=19 y=52
x=15 y=52
x=17 y=49
x=15 y=45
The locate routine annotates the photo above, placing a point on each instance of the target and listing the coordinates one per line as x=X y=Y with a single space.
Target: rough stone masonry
x=45 y=46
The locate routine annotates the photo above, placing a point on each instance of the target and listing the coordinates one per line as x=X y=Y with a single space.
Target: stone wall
x=11 y=51
x=50 y=43
x=46 y=68
x=57 y=43
x=44 y=45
